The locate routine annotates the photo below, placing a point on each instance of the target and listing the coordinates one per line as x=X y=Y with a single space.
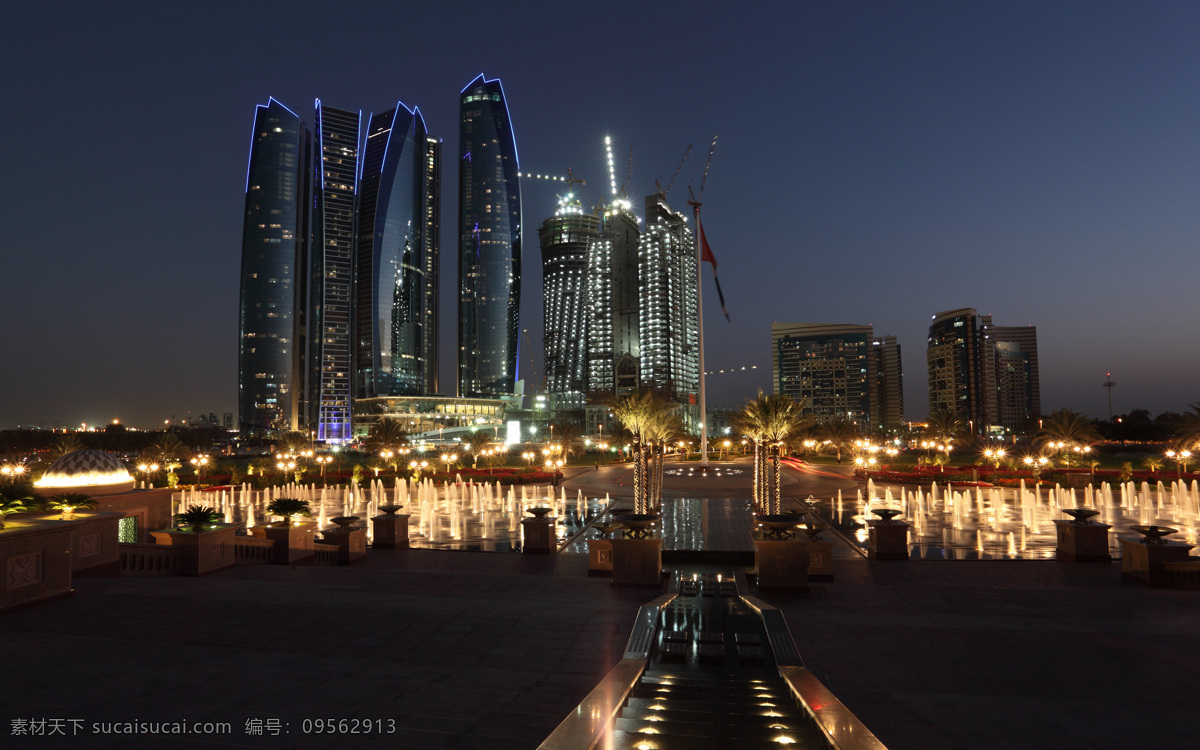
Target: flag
x=706 y=256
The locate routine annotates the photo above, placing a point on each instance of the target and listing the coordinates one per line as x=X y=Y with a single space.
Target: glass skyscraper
x=330 y=298
x=565 y=238
x=396 y=320
x=612 y=305
x=271 y=321
x=669 y=335
x=489 y=237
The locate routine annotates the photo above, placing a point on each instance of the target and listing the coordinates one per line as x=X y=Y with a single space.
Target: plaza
x=464 y=649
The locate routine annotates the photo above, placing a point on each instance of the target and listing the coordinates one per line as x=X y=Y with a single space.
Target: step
x=704 y=717
x=639 y=741
x=719 y=708
x=732 y=735
x=700 y=692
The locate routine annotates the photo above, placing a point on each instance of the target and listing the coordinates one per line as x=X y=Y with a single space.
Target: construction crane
x=674 y=176
x=570 y=179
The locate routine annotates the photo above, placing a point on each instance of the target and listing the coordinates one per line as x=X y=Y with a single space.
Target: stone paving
x=491 y=650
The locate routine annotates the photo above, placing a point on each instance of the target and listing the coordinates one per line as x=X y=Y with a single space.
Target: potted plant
x=205 y=543
x=293 y=540
x=68 y=502
x=290 y=508
x=197 y=518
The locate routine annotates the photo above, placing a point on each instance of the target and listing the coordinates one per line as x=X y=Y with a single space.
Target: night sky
x=877 y=163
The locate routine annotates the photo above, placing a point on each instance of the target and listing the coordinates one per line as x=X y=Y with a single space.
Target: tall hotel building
x=987 y=374
x=489 y=261
x=613 y=350
x=396 y=331
x=330 y=297
x=271 y=323
x=668 y=277
x=339 y=267
x=565 y=239
x=839 y=370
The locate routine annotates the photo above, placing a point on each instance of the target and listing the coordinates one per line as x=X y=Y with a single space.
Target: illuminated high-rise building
x=828 y=367
x=986 y=374
x=565 y=239
x=668 y=310
x=395 y=296
x=612 y=305
x=331 y=294
x=489 y=236
x=271 y=322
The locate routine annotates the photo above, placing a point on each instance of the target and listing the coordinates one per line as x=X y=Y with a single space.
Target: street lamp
x=199 y=463
x=323 y=461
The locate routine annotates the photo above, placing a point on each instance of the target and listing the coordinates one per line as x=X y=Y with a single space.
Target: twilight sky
x=878 y=163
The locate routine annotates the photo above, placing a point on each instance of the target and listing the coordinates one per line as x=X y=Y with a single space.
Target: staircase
x=711 y=681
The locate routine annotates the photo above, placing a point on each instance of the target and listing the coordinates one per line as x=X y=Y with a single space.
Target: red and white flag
x=706 y=256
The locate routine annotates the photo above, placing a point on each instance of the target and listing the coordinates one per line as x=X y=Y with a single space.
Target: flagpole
x=700 y=348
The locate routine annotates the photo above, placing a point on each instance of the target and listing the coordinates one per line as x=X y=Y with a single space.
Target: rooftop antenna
x=1109 y=384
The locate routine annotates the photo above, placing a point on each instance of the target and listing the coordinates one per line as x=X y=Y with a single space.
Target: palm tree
x=1065 y=430
x=387 y=435
x=568 y=434
x=638 y=413
x=477 y=443
x=771 y=420
x=839 y=433
x=294 y=441
x=1187 y=437
x=166 y=448
x=15 y=497
x=663 y=430
x=290 y=508
x=946 y=426
x=69 y=502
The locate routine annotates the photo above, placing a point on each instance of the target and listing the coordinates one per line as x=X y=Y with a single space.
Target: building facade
x=565 y=239
x=396 y=317
x=888 y=388
x=275 y=236
x=829 y=367
x=335 y=188
x=489 y=263
x=986 y=374
x=613 y=350
x=668 y=309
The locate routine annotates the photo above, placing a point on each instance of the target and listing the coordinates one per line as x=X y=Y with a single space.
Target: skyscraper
x=565 y=239
x=271 y=325
x=489 y=236
x=829 y=367
x=668 y=322
x=1015 y=381
x=612 y=305
x=888 y=395
x=335 y=188
x=397 y=258
x=986 y=374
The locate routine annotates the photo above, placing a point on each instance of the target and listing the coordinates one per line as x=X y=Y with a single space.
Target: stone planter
x=537 y=536
x=636 y=562
x=1082 y=542
x=820 y=560
x=600 y=557
x=293 y=544
x=204 y=552
x=35 y=558
x=888 y=540
x=1145 y=562
x=781 y=564
x=351 y=543
x=95 y=550
x=391 y=531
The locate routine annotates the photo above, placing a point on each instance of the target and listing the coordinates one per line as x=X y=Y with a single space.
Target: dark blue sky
x=878 y=163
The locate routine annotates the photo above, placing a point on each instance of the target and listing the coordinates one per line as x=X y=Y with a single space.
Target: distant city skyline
x=877 y=163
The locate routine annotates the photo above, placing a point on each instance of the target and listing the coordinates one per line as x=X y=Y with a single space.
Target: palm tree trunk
x=756 y=478
x=778 y=492
x=637 y=478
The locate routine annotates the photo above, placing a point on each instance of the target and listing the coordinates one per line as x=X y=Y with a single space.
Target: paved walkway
x=491 y=650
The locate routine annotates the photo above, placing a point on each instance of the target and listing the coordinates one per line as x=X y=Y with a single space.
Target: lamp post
x=199 y=463
x=323 y=461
